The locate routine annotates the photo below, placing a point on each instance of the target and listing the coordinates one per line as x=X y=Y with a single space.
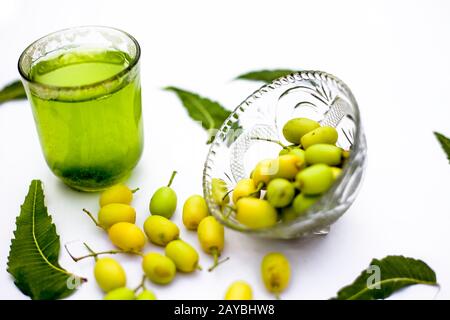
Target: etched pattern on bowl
x=235 y=150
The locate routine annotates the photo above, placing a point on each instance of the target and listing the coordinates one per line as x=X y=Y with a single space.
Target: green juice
x=90 y=124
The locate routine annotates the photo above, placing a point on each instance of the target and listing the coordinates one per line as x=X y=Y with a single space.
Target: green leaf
x=445 y=143
x=386 y=276
x=34 y=252
x=209 y=113
x=266 y=75
x=12 y=91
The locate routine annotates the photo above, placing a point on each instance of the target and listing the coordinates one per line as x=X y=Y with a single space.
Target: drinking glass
x=83 y=85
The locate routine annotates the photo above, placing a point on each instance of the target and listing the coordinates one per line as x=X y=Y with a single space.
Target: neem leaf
x=12 y=91
x=445 y=143
x=34 y=252
x=265 y=75
x=386 y=276
x=210 y=113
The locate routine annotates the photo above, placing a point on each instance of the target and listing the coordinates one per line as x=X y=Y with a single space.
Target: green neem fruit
x=300 y=153
x=245 y=188
x=327 y=135
x=315 y=179
x=219 y=191
x=183 y=255
x=323 y=153
x=120 y=294
x=280 y=192
x=164 y=200
x=276 y=272
x=286 y=150
x=113 y=213
x=119 y=193
x=160 y=230
x=288 y=214
x=296 y=128
x=302 y=203
x=109 y=274
x=158 y=268
x=255 y=213
x=146 y=295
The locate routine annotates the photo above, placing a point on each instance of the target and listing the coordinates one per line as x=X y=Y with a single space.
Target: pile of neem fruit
x=278 y=189
x=117 y=217
x=282 y=189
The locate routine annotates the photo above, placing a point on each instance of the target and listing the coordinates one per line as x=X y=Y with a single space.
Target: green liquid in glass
x=91 y=141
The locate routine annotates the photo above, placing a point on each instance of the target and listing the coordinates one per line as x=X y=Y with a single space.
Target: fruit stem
x=92 y=217
x=258 y=189
x=215 y=253
x=171 y=178
x=270 y=140
x=91 y=251
x=199 y=268
x=142 y=284
x=134 y=190
x=227 y=194
x=96 y=254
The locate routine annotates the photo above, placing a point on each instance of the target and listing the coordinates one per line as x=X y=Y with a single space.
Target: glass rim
x=110 y=79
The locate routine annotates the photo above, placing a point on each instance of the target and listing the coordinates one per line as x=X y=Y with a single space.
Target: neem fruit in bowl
x=288 y=161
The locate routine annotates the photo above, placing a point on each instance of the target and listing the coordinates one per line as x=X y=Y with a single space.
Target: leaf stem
x=171 y=178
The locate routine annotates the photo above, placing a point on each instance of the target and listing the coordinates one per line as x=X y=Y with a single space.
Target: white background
x=395 y=55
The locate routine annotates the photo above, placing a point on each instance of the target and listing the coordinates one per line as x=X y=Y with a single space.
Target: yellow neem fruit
x=245 y=188
x=113 y=213
x=119 y=193
x=239 y=290
x=288 y=166
x=336 y=172
x=146 y=295
x=158 y=268
x=264 y=171
x=194 y=210
x=127 y=236
x=255 y=213
x=120 y=294
x=211 y=235
x=109 y=274
x=160 y=230
x=183 y=255
x=276 y=272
